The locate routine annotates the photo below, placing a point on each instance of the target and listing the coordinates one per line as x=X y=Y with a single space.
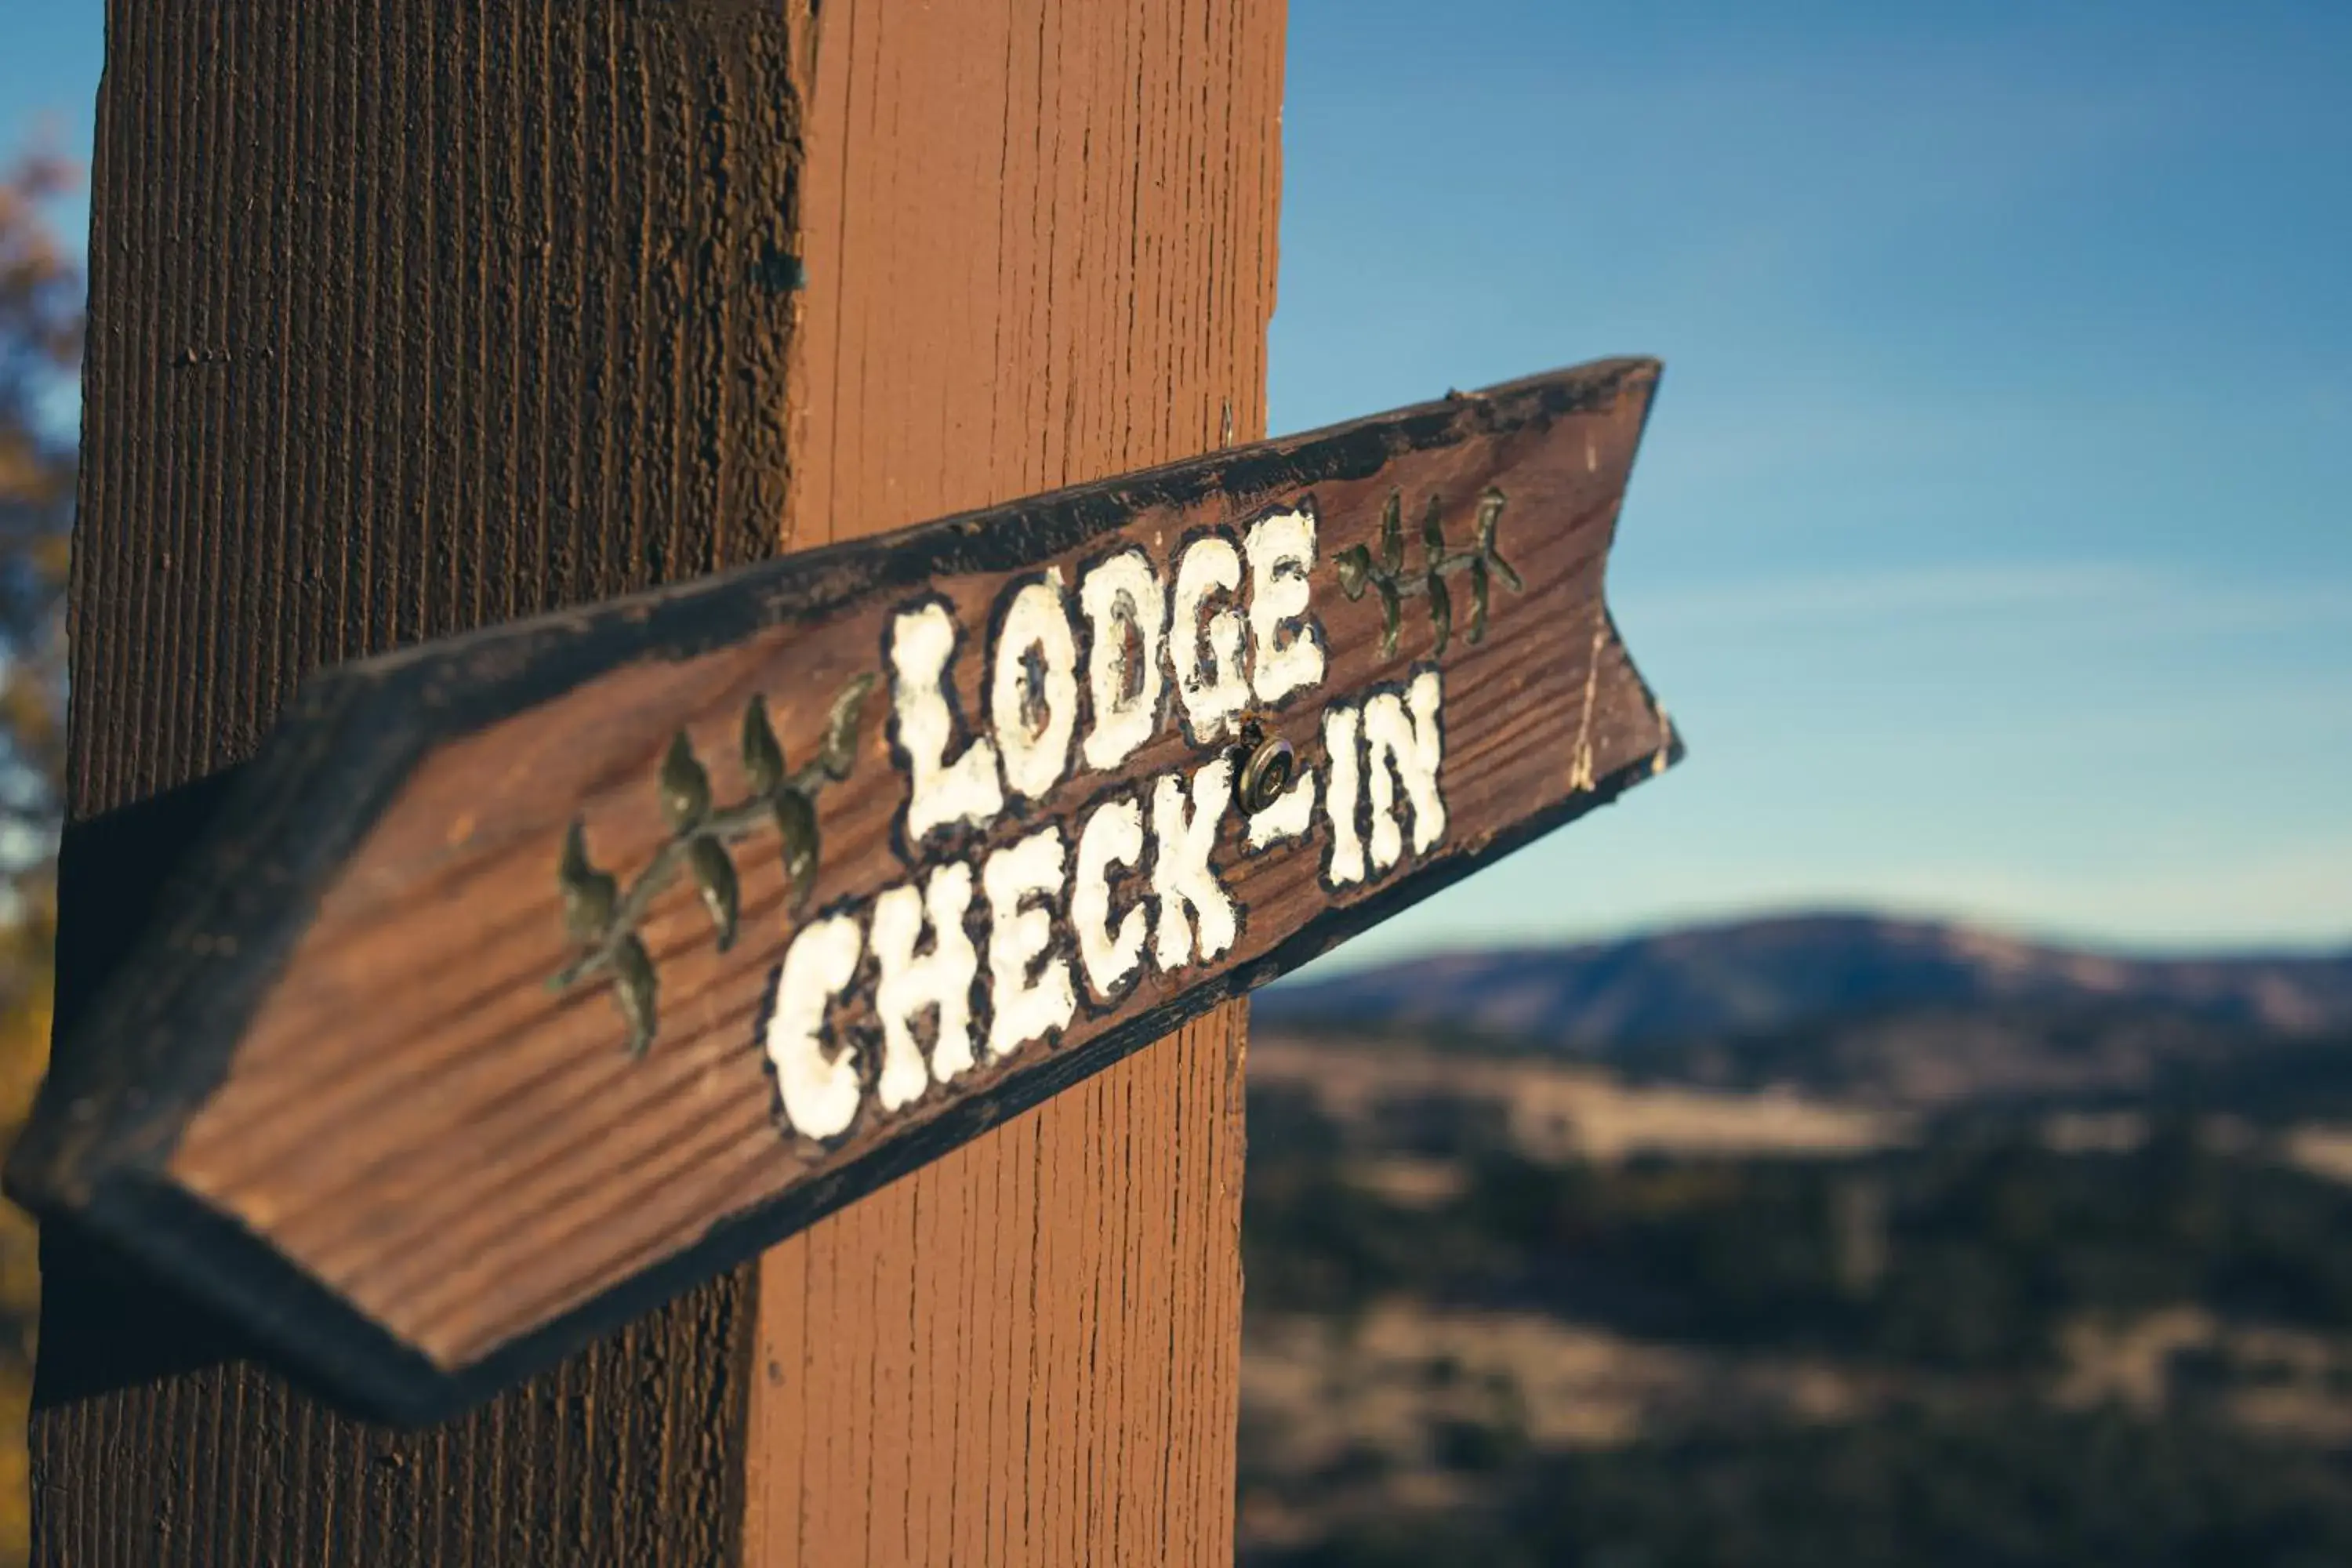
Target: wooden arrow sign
x=528 y=976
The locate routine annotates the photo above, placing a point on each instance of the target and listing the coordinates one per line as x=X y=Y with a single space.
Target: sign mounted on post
x=527 y=977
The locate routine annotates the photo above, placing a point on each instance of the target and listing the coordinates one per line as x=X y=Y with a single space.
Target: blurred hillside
x=41 y=296
x=1883 y=1011
x=1762 y=976
x=1820 y=1241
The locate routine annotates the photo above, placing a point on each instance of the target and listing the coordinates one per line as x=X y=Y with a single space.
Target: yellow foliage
x=23 y=1050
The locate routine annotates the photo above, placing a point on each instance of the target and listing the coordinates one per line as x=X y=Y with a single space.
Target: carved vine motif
x=603 y=921
x=1386 y=575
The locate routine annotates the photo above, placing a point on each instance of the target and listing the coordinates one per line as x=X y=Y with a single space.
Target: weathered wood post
x=446 y=1039
x=410 y=317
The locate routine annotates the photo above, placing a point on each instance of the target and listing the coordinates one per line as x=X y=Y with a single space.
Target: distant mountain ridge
x=1770 y=975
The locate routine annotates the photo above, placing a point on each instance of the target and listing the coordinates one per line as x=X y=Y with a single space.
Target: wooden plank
x=364 y=1039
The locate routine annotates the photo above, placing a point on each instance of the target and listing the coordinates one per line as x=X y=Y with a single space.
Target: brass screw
x=1269 y=766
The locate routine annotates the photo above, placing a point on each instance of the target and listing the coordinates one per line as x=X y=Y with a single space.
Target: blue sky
x=1990 y=538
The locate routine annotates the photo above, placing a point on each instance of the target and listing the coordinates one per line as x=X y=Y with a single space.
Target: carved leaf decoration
x=685 y=786
x=1356 y=570
x=602 y=921
x=1490 y=517
x=714 y=873
x=589 y=895
x=796 y=825
x=634 y=989
x=1483 y=548
x=763 y=755
x=1354 y=565
x=841 y=728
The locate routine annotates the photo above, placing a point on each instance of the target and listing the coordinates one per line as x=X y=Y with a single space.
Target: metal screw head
x=1267 y=773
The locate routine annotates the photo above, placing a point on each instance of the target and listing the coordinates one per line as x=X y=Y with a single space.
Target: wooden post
x=406 y=320
x=1041 y=249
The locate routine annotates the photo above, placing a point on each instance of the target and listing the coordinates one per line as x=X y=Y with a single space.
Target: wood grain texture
x=1054 y=234
x=1041 y=249
x=468 y=1160
x=404 y=317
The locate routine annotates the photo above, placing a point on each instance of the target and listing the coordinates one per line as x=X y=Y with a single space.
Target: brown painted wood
x=405 y=318
x=421 y=1109
x=1050 y=229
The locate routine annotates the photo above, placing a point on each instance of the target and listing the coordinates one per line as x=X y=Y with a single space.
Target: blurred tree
x=41 y=300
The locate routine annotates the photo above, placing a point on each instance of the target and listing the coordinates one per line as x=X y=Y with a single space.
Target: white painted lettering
x=1343 y=795
x=1404 y=740
x=1235 y=625
x=1286 y=637
x=1113 y=836
x=1127 y=617
x=820 y=1093
x=910 y=984
x=1033 y=697
x=1022 y=1007
x=1207 y=642
x=1182 y=878
x=940 y=793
